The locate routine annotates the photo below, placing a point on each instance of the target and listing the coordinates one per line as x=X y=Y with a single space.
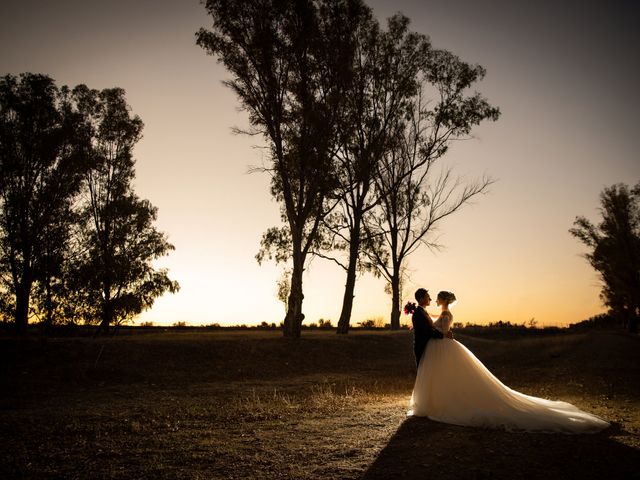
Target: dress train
x=453 y=386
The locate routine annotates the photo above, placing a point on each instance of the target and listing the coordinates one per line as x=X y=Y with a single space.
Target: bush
x=325 y=324
x=372 y=323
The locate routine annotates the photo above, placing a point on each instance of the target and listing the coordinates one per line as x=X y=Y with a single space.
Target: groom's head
x=422 y=297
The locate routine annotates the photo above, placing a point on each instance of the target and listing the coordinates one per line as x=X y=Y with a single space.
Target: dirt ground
x=256 y=405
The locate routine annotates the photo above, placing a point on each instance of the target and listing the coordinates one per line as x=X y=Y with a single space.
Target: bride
x=453 y=386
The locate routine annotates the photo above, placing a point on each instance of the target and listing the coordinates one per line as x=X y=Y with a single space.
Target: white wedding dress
x=453 y=386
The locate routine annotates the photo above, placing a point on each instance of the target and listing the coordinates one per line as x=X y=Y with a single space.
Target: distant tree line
x=355 y=117
x=614 y=251
x=76 y=242
x=604 y=321
x=497 y=329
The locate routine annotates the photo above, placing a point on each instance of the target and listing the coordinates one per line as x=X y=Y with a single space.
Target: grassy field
x=256 y=405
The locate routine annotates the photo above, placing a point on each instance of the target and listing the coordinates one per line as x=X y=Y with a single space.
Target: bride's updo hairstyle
x=447 y=297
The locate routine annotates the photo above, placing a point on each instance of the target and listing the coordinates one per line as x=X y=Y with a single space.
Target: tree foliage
x=289 y=61
x=331 y=92
x=417 y=197
x=74 y=237
x=40 y=166
x=119 y=241
x=614 y=250
x=394 y=198
x=385 y=79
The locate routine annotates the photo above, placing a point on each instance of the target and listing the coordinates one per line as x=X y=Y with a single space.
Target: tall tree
x=385 y=65
x=120 y=241
x=290 y=60
x=414 y=199
x=40 y=167
x=614 y=250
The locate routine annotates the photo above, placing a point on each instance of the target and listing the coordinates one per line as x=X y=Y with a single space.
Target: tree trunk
x=48 y=305
x=21 y=315
x=350 y=285
x=107 y=309
x=634 y=318
x=347 y=300
x=633 y=322
x=293 y=319
x=395 y=301
x=105 y=320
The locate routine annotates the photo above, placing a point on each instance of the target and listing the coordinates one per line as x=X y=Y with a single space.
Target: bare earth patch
x=255 y=405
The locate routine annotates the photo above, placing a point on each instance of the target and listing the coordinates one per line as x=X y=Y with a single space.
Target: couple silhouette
x=453 y=386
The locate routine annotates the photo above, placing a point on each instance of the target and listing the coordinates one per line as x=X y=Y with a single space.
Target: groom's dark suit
x=422 y=332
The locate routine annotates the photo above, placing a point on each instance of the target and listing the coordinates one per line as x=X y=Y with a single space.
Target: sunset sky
x=564 y=74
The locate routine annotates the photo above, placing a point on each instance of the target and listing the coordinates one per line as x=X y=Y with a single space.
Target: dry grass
x=255 y=405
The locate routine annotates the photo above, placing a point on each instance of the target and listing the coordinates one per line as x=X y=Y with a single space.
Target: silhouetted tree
x=614 y=246
x=414 y=200
x=385 y=69
x=117 y=235
x=40 y=166
x=290 y=61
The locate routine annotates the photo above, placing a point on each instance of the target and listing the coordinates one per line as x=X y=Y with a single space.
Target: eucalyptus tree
x=290 y=61
x=40 y=174
x=614 y=250
x=118 y=239
x=415 y=198
x=385 y=71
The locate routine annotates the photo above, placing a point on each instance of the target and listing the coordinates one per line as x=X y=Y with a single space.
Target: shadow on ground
x=422 y=448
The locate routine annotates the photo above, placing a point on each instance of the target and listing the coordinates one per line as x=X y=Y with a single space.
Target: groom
x=422 y=325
